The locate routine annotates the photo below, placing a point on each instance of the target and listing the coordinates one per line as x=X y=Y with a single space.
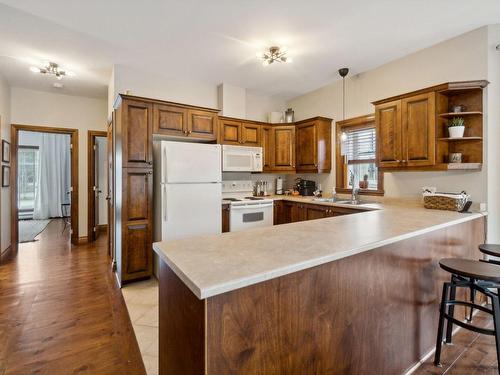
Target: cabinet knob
x=190 y=131
x=404 y=161
x=185 y=132
x=398 y=161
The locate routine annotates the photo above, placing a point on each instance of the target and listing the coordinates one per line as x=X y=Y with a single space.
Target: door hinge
x=70 y=230
x=95 y=229
x=71 y=146
x=94 y=147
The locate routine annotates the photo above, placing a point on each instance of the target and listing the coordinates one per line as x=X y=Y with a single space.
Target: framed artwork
x=5 y=151
x=5 y=176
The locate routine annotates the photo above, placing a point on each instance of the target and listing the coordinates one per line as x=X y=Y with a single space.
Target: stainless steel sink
x=354 y=203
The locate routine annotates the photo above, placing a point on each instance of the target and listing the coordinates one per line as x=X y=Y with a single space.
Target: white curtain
x=54 y=177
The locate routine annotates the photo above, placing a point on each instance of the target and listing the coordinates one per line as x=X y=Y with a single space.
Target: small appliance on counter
x=305 y=188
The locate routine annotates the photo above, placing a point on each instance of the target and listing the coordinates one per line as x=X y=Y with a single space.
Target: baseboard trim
x=83 y=240
x=102 y=228
x=6 y=254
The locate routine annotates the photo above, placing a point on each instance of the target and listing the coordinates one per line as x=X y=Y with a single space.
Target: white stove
x=246 y=211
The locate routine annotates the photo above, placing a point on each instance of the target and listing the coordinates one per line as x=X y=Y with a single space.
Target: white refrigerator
x=187 y=189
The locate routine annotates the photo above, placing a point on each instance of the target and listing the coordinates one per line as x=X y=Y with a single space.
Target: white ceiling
x=216 y=41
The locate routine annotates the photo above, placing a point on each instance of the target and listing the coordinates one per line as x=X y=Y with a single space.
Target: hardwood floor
x=470 y=353
x=61 y=311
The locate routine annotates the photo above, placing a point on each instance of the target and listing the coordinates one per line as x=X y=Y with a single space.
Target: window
x=356 y=156
x=27 y=177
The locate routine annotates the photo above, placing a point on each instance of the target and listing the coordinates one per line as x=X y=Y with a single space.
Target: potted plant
x=456 y=127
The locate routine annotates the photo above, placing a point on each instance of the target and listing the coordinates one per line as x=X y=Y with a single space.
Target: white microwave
x=241 y=159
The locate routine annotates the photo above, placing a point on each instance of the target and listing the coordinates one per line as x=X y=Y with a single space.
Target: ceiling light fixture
x=274 y=53
x=52 y=69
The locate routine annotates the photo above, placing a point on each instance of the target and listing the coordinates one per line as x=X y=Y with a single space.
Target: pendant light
x=343 y=138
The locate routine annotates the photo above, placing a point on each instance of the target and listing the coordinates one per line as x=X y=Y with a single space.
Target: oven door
x=250 y=215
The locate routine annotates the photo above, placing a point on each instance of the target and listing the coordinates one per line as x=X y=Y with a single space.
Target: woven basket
x=443 y=202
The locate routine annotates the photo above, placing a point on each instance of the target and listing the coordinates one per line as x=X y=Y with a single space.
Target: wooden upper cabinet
x=177 y=121
x=250 y=134
x=284 y=148
x=418 y=120
x=267 y=147
x=230 y=132
x=202 y=124
x=169 y=120
x=136 y=122
x=389 y=132
x=313 y=145
x=239 y=132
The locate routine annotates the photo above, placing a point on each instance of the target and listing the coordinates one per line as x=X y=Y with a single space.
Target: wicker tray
x=443 y=201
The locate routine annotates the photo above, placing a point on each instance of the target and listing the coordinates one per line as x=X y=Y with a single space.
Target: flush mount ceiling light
x=273 y=54
x=51 y=69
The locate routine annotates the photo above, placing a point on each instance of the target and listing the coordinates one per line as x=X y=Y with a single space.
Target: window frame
x=341 y=183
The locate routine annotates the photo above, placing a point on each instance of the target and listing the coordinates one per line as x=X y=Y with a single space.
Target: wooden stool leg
x=451 y=311
x=439 y=340
x=496 y=322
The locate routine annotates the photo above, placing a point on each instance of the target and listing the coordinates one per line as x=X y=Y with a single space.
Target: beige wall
x=493 y=135
x=48 y=109
x=151 y=85
x=461 y=58
x=4 y=192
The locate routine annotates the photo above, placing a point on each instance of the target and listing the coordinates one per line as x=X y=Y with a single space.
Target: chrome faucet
x=354 y=191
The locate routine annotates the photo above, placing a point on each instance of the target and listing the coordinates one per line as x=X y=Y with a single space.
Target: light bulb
x=34 y=69
x=265 y=62
x=289 y=60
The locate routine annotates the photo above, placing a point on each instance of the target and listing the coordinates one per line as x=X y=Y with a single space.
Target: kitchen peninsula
x=353 y=294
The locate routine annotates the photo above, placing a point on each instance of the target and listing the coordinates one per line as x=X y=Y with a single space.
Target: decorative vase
x=456 y=131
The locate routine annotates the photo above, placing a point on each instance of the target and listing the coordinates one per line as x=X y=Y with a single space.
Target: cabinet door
x=278 y=213
x=315 y=211
x=250 y=134
x=418 y=126
x=136 y=128
x=284 y=148
x=202 y=124
x=225 y=218
x=230 y=132
x=389 y=134
x=307 y=147
x=137 y=223
x=267 y=147
x=169 y=120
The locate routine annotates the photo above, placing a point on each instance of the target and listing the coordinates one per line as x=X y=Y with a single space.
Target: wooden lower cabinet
x=137 y=224
x=291 y=212
x=225 y=217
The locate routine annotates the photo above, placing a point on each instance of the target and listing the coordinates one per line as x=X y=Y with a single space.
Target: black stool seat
x=471 y=269
x=490 y=249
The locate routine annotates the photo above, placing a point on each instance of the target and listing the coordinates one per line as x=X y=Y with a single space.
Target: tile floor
x=142 y=303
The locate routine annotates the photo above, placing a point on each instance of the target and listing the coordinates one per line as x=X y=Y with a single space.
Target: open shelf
x=458 y=114
x=461 y=166
x=460 y=139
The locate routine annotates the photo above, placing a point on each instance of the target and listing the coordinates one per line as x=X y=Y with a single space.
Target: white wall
x=29 y=107
x=153 y=85
x=493 y=135
x=258 y=106
x=458 y=59
x=4 y=191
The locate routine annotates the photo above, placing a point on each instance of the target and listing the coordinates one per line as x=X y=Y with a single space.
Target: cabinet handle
x=398 y=161
x=190 y=131
x=404 y=161
x=185 y=132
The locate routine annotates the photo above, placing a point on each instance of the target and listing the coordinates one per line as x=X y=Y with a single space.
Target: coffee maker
x=306 y=188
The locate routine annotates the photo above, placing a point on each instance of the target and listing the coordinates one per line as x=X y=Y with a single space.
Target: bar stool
x=477 y=276
x=492 y=250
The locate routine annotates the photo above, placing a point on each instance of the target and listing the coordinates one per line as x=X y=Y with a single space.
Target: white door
x=191 y=210
x=190 y=162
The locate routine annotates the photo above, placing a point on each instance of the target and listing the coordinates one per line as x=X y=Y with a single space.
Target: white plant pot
x=456 y=131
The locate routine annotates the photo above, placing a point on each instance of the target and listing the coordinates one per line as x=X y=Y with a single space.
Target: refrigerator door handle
x=164 y=202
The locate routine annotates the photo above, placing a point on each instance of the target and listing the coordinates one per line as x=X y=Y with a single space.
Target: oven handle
x=253 y=206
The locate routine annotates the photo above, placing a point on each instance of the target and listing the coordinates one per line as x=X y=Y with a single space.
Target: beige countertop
x=215 y=264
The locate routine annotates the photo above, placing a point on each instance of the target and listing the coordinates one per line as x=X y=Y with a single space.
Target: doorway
x=97 y=184
x=44 y=181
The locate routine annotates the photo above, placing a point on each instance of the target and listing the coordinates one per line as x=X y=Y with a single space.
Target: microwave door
x=238 y=161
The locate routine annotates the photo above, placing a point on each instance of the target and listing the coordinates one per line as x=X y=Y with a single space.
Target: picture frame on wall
x=5 y=151
x=5 y=176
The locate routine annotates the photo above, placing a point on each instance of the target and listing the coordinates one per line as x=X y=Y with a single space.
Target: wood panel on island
x=413 y=134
